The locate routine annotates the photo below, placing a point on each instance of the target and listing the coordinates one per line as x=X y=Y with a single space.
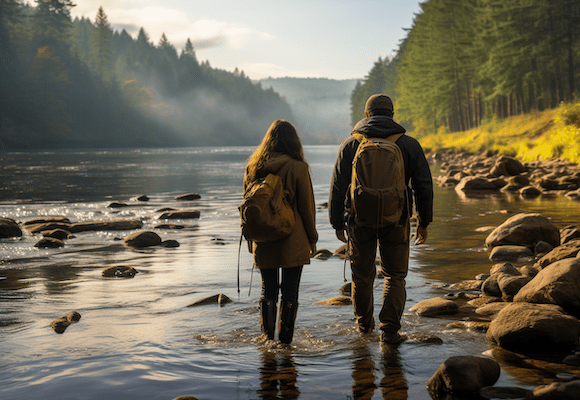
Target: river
x=137 y=339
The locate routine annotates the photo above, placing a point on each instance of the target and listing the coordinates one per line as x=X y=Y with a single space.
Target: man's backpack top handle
x=377 y=189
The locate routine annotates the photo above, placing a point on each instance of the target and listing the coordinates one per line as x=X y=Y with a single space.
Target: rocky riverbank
x=529 y=302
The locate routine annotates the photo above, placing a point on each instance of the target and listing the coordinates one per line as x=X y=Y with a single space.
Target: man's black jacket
x=417 y=173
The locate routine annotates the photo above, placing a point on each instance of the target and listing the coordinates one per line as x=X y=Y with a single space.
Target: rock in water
x=143 y=239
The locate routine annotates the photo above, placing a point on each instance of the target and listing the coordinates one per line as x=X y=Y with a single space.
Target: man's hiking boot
x=392 y=338
x=268 y=317
x=288 y=311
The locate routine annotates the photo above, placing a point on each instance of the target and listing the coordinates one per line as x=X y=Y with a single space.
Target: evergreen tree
x=102 y=48
x=381 y=79
x=53 y=25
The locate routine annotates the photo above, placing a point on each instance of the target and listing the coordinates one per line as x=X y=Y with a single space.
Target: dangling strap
x=251 y=275
x=347 y=255
x=239 y=253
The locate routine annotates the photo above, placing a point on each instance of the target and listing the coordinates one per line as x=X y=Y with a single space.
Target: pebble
x=565 y=376
x=572 y=360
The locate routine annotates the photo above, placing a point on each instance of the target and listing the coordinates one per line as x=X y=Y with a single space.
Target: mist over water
x=138 y=339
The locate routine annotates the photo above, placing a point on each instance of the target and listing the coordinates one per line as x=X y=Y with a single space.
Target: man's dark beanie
x=379 y=104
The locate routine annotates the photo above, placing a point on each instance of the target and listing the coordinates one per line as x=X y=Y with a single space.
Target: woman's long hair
x=280 y=138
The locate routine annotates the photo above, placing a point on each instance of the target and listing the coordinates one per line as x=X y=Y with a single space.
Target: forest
x=465 y=62
x=78 y=84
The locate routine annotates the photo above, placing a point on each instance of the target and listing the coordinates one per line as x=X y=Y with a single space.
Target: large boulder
x=464 y=374
x=533 y=327
x=569 y=249
x=507 y=166
x=490 y=286
x=9 y=228
x=49 y=243
x=434 y=307
x=511 y=285
x=143 y=239
x=511 y=252
x=558 y=283
x=525 y=230
x=475 y=183
x=59 y=234
x=568 y=233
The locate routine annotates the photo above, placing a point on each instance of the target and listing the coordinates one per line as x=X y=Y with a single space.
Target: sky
x=339 y=39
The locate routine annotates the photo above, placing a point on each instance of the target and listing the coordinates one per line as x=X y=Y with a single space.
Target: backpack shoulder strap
x=394 y=138
x=359 y=136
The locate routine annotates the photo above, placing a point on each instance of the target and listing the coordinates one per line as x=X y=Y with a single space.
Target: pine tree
x=53 y=25
x=102 y=48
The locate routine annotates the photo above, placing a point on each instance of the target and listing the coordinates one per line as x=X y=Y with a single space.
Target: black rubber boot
x=268 y=317
x=288 y=311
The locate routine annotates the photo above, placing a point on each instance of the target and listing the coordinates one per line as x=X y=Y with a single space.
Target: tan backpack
x=378 y=187
x=265 y=213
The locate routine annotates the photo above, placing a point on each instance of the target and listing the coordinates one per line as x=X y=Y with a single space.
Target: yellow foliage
x=139 y=96
x=540 y=135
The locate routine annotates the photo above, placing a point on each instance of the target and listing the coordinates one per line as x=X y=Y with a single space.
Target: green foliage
x=102 y=48
x=71 y=84
x=465 y=62
x=381 y=79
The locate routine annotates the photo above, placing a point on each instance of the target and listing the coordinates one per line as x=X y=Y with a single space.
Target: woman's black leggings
x=288 y=286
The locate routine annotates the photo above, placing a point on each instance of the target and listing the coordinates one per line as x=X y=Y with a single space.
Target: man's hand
x=312 y=249
x=421 y=235
x=341 y=235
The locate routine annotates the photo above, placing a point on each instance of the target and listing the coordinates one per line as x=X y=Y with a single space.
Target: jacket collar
x=378 y=126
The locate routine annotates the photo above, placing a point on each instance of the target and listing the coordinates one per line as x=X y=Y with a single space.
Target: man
x=393 y=240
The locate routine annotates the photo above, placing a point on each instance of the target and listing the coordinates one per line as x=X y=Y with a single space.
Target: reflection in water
x=393 y=385
x=59 y=279
x=278 y=376
x=363 y=373
x=534 y=369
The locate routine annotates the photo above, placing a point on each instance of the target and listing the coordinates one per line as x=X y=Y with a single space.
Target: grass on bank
x=542 y=135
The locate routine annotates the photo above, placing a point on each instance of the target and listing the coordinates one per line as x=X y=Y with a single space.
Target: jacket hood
x=275 y=163
x=378 y=126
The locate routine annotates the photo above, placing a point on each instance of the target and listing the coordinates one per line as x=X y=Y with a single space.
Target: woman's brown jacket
x=293 y=250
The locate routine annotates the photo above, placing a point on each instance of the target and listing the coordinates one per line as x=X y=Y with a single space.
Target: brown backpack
x=377 y=189
x=265 y=213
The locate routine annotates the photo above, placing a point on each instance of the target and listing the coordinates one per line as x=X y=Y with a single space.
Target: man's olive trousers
x=393 y=243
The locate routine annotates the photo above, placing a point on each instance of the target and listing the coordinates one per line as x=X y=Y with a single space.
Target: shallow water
x=137 y=339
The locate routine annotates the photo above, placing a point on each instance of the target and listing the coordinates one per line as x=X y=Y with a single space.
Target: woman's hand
x=312 y=249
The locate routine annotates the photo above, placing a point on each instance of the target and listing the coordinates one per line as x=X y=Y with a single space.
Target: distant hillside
x=78 y=84
x=320 y=106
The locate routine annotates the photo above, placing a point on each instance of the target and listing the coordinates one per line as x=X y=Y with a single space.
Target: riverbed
x=137 y=339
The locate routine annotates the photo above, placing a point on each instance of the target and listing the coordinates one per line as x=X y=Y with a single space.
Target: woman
x=281 y=153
